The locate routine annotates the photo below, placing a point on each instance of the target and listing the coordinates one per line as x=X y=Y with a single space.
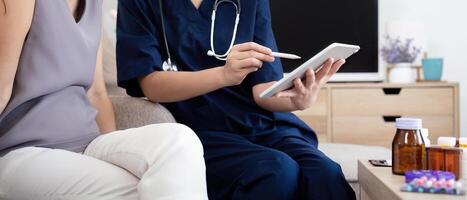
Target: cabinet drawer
x=317 y=116
x=319 y=124
x=374 y=130
x=319 y=108
x=396 y=101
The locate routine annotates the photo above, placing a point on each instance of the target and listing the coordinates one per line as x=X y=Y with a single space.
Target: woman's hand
x=244 y=59
x=305 y=93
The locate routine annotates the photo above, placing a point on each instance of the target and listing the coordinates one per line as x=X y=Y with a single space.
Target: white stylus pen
x=285 y=55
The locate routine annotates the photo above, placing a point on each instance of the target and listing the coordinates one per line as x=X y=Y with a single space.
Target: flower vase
x=402 y=73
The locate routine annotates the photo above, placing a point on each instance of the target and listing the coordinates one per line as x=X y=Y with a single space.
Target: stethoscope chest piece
x=169 y=66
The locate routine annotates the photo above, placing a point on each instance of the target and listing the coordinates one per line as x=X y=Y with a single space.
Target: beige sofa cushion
x=135 y=112
x=347 y=156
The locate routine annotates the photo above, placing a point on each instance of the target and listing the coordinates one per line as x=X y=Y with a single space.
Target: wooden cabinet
x=318 y=116
x=365 y=113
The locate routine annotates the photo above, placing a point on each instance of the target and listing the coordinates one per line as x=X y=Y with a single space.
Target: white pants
x=162 y=161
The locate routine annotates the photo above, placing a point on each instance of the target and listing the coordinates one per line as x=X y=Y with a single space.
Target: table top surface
x=380 y=183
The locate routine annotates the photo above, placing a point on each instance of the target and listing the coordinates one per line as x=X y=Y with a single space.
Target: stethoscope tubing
x=213 y=52
x=170 y=66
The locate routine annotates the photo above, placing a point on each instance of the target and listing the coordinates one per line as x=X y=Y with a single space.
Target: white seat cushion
x=347 y=156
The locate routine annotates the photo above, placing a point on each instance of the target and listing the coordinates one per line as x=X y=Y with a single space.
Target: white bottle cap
x=408 y=123
x=447 y=141
x=425 y=134
x=463 y=142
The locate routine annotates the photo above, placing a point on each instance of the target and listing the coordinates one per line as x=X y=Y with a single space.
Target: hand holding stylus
x=244 y=59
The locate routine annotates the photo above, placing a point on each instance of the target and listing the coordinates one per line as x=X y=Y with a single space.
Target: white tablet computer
x=336 y=50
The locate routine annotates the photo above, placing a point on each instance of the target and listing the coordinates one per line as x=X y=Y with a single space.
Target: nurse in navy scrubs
x=254 y=148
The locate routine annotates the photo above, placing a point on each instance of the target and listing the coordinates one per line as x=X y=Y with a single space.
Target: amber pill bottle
x=408 y=147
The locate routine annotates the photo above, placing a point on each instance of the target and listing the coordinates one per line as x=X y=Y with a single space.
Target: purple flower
x=397 y=51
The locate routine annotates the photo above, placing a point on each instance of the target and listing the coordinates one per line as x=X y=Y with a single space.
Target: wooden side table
x=378 y=183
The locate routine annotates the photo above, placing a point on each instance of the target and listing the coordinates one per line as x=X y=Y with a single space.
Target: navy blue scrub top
x=140 y=51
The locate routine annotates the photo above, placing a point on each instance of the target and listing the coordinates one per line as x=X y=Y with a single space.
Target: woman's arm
x=304 y=93
x=99 y=98
x=15 y=21
x=165 y=87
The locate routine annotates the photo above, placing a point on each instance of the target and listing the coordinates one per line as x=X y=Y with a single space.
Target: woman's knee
x=176 y=141
x=188 y=137
x=171 y=134
x=185 y=138
x=323 y=179
x=138 y=149
x=332 y=168
x=284 y=167
x=328 y=170
x=273 y=175
x=178 y=147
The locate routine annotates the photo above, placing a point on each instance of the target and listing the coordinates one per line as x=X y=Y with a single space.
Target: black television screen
x=307 y=27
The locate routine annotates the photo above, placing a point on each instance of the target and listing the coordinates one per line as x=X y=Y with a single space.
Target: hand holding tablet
x=336 y=51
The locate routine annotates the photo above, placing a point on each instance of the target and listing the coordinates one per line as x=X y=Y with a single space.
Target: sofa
x=135 y=112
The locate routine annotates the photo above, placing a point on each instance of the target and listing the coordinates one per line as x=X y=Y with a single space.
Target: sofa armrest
x=135 y=112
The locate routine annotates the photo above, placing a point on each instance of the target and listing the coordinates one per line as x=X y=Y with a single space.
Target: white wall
x=445 y=23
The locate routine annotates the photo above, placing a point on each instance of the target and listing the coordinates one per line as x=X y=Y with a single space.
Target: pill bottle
x=445 y=156
x=463 y=146
x=435 y=158
x=453 y=159
x=447 y=141
x=408 y=147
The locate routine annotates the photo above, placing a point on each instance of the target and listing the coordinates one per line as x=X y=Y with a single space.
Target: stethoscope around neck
x=171 y=66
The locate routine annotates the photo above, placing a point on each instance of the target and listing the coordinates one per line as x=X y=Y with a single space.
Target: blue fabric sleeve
x=264 y=36
x=138 y=46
